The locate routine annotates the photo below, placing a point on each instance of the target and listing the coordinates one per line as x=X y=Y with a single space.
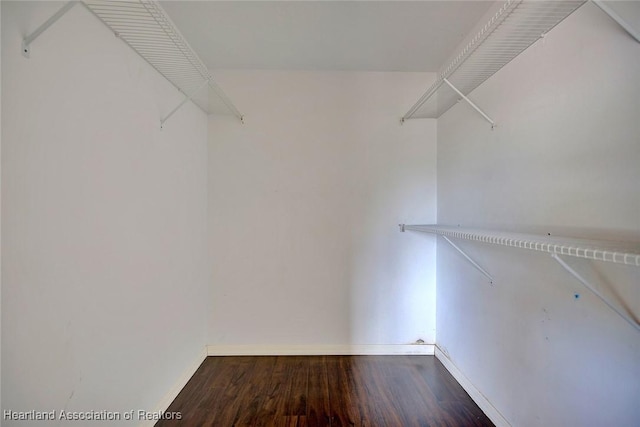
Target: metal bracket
x=475 y=107
x=220 y=93
x=421 y=101
x=619 y=19
x=225 y=99
x=464 y=254
x=184 y=101
x=26 y=42
x=619 y=307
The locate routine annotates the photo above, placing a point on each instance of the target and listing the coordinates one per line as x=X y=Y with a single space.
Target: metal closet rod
x=148 y=29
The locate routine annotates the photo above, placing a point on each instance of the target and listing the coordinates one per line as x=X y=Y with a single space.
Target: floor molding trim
x=320 y=350
x=485 y=405
x=177 y=387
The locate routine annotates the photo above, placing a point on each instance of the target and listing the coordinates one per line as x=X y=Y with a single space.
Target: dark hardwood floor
x=309 y=391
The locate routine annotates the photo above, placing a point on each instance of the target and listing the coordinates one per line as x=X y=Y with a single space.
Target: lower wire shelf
x=607 y=251
x=627 y=253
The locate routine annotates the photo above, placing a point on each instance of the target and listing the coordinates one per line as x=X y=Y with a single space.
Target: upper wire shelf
x=615 y=252
x=148 y=30
x=513 y=28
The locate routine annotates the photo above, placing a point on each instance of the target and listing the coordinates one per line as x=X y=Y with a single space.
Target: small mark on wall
x=546 y=315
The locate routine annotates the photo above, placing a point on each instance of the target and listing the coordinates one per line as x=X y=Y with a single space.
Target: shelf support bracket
x=463 y=253
x=184 y=101
x=26 y=42
x=619 y=19
x=623 y=312
x=470 y=102
x=225 y=99
x=420 y=102
x=468 y=258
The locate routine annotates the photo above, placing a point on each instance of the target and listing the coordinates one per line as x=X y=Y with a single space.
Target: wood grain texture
x=324 y=391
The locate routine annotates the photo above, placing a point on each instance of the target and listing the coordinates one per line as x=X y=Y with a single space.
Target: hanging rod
x=147 y=29
x=516 y=25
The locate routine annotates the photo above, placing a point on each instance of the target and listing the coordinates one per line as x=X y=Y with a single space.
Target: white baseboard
x=177 y=387
x=320 y=350
x=490 y=411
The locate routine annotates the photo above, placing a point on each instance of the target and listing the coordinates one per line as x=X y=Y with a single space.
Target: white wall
x=104 y=276
x=563 y=159
x=304 y=202
x=0 y=210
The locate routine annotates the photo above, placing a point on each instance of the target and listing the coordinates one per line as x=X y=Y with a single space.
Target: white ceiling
x=325 y=35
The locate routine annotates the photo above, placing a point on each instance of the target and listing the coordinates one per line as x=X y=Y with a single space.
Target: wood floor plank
x=435 y=379
x=413 y=406
x=318 y=405
x=324 y=391
x=463 y=416
x=298 y=376
x=375 y=397
x=450 y=393
x=272 y=412
x=344 y=401
x=433 y=413
x=368 y=394
x=286 y=399
x=248 y=411
x=200 y=387
x=239 y=383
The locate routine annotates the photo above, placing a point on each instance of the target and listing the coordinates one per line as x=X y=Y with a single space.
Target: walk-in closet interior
x=320 y=213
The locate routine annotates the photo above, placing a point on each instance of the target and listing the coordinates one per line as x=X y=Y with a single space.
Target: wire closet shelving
x=145 y=27
x=606 y=251
x=560 y=248
x=513 y=28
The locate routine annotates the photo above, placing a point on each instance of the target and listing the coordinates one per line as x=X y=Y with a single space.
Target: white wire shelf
x=513 y=28
x=615 y=252
x=558 y=247
x=148 y=30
